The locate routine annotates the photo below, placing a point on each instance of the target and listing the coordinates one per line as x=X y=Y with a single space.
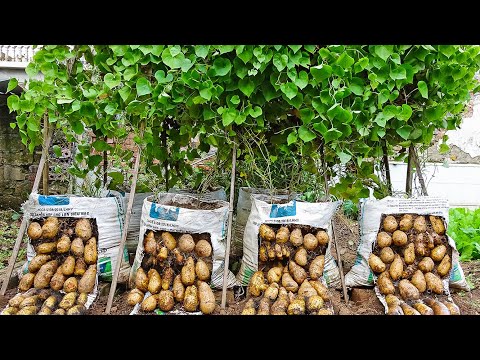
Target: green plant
x=350 y=209
x=464 y=228
x=470 y=279
x=16 y=215
x=9 y=227
x=305 y=103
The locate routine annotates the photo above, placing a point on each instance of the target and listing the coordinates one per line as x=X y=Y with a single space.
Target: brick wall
x=16 y=170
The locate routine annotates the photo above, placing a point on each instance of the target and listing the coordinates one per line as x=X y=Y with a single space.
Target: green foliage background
x=297 y=101
x=464 y=228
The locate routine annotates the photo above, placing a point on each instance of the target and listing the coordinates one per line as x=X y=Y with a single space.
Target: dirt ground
x=346 y=231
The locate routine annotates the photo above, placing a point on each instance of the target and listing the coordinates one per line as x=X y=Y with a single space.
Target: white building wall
x=459 y=183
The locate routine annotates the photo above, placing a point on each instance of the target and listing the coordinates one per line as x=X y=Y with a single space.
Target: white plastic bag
x=371 y=211
x=170 y=214
x=244 y=206
x=293 y=212
x=109 y=214
x=134 y=226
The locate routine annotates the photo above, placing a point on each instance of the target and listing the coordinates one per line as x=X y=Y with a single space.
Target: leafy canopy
x=347 y=99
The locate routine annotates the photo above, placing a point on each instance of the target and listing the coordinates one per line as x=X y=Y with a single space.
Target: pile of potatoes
x=175 y=268
x=282 y=295
x=288 y=241
x=410 y=258
x=293 y=259
x=65 y=260
x=46 y=302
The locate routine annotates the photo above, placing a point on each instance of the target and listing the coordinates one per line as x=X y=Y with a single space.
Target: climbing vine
x=300 y=102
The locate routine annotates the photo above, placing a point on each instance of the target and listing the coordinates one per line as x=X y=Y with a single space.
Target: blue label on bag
x=53 y=200
x=162 y=213
x=282 y=210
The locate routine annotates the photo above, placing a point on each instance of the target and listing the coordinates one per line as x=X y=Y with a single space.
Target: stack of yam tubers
x=63 y=271
x=176 y=268
x=412 y=259
x=292 y=258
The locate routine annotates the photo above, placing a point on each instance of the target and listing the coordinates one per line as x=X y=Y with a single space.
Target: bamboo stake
x=324 y=170
x=45 y=167
x=113 y=285
x=163 y=139
x=387 y=167
x=327 y=192
x=105 y=165
x=408 y=184
x=340 y=265
x=419 y=171
x=229 y=228
x=23 y=226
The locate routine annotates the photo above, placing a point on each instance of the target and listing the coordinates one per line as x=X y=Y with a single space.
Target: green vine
x=297 y=98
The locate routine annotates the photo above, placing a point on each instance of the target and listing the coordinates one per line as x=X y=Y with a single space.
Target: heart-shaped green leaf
x=302 y=80
x=292 y=138
x=125 y=92
x=280 y=61
x=405 y=113
x=404 y=131
x=422 y=87
x=289 y=89
x=306 y=134
x=332 y=134
x=345 y=61
x=202 y=50
x=112 y=80
x=384 y=52
x=398 y=73
x=143 y=86
x=12 y=84
x=343 y=156
x=222 y=66
x=161 y=78
x=321 y=72
x=228 y=116
x=246 y=86
x=256 y=111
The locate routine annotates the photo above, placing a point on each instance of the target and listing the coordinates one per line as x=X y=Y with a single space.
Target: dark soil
x=346 y=236
x=370 y=305
x=469 y=301
x=190 y=202
x=119 y=305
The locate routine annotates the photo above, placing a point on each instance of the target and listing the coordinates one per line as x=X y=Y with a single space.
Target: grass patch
x=9 y=225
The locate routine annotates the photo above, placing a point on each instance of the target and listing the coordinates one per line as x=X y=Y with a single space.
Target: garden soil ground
x=364 y=300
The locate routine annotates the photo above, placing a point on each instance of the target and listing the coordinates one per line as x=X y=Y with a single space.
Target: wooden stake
x=45 y=167
x=163 y=139
x=408 y=184
x=324 y=170
x=339 y=258
x=23 y=226
x=387 y=167
x=113 y=285
x=419 y=171
x=105 y=165
x=340 y=265
x=229 y=227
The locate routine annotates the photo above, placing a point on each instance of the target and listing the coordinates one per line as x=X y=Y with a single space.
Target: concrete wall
x=455 y=174
x=459 y=183
x=464 y=142
x=16 y=170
